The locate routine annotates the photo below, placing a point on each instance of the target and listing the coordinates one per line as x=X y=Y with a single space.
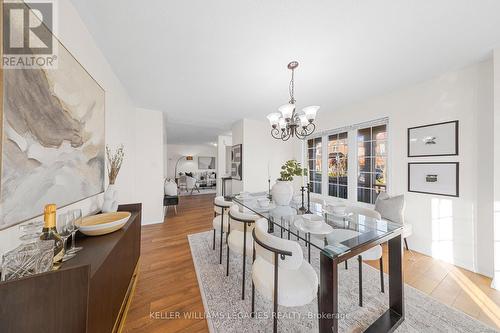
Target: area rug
x=226 y=312
x=202 y=191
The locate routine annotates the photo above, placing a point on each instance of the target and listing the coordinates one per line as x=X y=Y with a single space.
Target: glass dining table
x=301 y=223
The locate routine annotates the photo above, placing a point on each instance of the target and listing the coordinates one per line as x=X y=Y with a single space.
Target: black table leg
x=308 y=236
x=328 y=295
x=393 y=317
x=396 y=284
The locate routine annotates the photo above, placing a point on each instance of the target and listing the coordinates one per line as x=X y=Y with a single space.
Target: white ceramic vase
x=282 y=192
x=110 y=203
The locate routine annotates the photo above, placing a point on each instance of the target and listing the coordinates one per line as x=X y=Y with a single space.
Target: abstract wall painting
x=53 y=138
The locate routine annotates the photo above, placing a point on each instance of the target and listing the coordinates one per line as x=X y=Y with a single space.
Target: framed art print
x=439 y=178
x=237 y=162
x=439 y=139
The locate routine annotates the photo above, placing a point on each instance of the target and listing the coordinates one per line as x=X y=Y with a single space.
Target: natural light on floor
x=442 y=229
x=496 y=245
x=489 y=308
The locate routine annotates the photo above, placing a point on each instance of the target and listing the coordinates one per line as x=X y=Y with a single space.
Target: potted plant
x=282 y=191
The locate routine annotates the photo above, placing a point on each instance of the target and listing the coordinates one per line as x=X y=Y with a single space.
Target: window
x=337 y=165
x=314 y=163
x=372 y=162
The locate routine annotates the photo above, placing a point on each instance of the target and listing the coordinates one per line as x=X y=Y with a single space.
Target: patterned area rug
x=203 y=190
x=226 y=312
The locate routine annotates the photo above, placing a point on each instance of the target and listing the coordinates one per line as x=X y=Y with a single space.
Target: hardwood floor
x=167 y=283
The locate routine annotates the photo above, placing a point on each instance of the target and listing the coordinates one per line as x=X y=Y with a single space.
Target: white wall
x=165 y=146
x=263 y=155
x=174 y=151
x=444 y=227
x=120 y=113
x=484 y=216
x=496 y=233
x=223 y=142
x=149 y=160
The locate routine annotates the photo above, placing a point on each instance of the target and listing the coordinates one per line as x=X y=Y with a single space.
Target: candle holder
x=308 y=211
x=269 y=189
x=302 y=208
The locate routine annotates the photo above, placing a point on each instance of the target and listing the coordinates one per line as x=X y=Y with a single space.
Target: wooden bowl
x=102 y=224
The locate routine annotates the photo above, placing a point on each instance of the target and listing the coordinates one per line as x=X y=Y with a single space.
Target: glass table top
x=333 y=234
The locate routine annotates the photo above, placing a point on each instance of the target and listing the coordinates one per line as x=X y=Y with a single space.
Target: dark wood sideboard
x=88 y=294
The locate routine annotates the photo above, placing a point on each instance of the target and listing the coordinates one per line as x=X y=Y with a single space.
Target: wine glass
x=75 y=216
x=65 y=228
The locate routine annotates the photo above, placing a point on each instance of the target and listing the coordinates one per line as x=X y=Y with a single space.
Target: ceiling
x=209 y=63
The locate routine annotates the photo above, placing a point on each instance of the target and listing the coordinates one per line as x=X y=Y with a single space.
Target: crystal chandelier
x=287 y=122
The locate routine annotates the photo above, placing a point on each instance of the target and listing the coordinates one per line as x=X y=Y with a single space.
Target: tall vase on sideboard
x=114 y=164
x=110 y=203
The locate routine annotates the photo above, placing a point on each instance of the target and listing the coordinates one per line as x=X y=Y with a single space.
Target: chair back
x=170 y=187
x=239 y=219
x=220 y=203
x=272 y=242
x=363 y=211
x=190 y=182
x=391 y=208
x=182 y=180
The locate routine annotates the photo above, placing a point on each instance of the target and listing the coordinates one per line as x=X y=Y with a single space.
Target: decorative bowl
x=338 y=210
x=312 y=221
x=102 y=224
x=263 y=202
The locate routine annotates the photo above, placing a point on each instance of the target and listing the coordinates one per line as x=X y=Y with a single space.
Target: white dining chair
x=191 y=184
x=375 y=253
x=393 y=209
x=279 y=271
x=221 y=220
x=239 y=239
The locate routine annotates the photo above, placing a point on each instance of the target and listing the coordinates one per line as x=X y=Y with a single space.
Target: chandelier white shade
x=286 y=110
x=310 y=112
x=287 y=122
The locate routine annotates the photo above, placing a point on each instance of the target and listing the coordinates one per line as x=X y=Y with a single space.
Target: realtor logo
x=27 y=35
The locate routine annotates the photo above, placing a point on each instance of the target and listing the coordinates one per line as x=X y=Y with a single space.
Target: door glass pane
x=311 y=153
x=365 y=164
x=337 y=162
x=364 y=195
x=365 y=148
x=372 y=162
x=342 y=192
x=332 y=190
x=379 y=132
x=365 y=134
x=379 y=148
x=310 y=143
x=365 y=179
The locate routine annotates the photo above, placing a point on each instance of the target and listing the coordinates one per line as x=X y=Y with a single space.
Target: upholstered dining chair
x=375 y=253
x=191 y=184
x=279 y=271
x=181 y=182
x=393 y=209
x=239 y=239
x=221 y=220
